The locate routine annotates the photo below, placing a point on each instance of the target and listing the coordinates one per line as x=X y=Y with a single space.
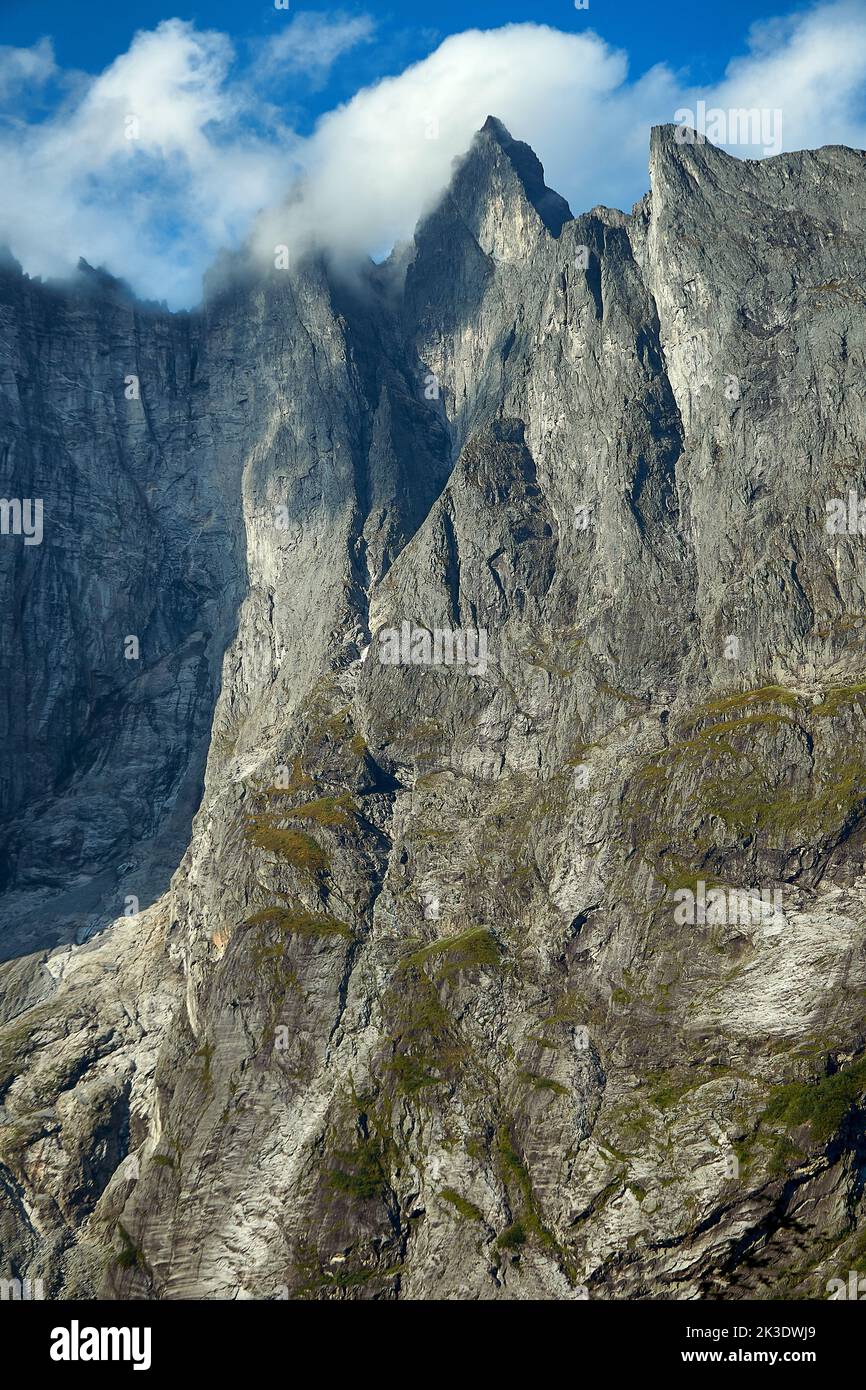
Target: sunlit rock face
x=506 y=601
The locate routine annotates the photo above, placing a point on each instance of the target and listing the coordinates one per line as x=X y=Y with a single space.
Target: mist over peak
x=178 y=149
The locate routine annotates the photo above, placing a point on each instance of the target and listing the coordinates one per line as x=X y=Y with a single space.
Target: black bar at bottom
x=86 y=1339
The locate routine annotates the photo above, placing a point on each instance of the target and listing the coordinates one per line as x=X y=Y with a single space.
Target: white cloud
x=210 y=153
x=373 y=165
x=150 y=170
x=372 y=171
x=812 y=67
x=25 y=67
x=311 y=43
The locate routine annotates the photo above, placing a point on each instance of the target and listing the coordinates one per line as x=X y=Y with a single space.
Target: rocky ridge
x=419 y=1014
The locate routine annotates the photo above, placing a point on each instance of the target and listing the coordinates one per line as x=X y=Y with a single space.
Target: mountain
x=456 y=889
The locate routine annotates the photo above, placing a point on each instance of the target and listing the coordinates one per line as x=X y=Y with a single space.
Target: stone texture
x=416 y=1016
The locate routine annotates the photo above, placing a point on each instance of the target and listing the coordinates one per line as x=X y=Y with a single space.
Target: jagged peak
x=553 y=209
x=678 y=141
x=495 y=128
x=97 y=280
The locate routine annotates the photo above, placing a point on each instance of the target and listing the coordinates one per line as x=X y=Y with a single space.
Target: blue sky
x=147 y=138
x=696 y=37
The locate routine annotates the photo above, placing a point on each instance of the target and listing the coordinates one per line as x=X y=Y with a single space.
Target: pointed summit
x=496 y=206
x=496 y=212
x=96 y=280
x=553 y=210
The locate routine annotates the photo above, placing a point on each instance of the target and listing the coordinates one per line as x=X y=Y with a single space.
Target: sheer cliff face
x=464 y=986
x=106 y=740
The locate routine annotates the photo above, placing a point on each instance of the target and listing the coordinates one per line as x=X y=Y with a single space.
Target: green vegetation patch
x=838 y=697
x=547 y=653
x=528 y=1223
x=578 y=753
x=570 y=1007
x=822 y=1105
x=667 y=1089
x=469 y=950
x=462 y=1205
x=426 y=1050
x=297 y=921
x=765 y=695
x=362 y=1171
x=328 y=811
x=206 y=1053
x=296 y=782
x=542 y=1083
x=748 y=803
x=724 y=784
x=267 y=831
x=512 y=1237
x=316 y=1275
x=130 y=1256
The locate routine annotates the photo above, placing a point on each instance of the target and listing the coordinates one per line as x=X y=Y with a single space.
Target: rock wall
x=535 y=974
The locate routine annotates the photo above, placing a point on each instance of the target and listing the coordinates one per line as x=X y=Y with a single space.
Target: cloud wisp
x=311 y=44
x=175 y=151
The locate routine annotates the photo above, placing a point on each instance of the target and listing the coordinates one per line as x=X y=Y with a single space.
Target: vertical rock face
x=113 y=627
x=517 y=949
